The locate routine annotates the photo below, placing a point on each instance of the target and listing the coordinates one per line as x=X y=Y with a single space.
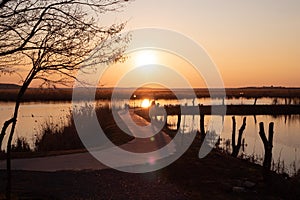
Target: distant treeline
x=35 y=94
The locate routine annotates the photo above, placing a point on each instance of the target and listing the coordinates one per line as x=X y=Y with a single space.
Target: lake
x=34 y=115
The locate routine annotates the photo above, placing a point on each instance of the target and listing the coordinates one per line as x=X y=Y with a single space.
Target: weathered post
x=236 y=147
x=166 y=119
x=255 y=100
x=178 y=121
x=255 y=120
x=268 y=145
x=202 y=129
x=233 y=134
x=285 y=101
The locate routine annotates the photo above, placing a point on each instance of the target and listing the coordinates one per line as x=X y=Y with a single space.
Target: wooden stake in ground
x=236 y=147
x=178 y=121
x=268 y=145
x=202 y=128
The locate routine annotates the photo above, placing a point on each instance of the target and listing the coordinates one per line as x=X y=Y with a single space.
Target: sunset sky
x=253 y=43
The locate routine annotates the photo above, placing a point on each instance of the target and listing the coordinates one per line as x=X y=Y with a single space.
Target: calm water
x=33 y=116
x=286 y=150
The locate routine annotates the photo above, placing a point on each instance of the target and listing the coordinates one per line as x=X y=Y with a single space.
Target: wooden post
x=290 y=101
x=285 y=119
x=178 y=121
x=236 y=147
x=166 y=119
x=255 y=120
x=243 y=145
x=202 y=128
x=255 y=100
x=285 y=101
x=268 y=145
x=233 y=133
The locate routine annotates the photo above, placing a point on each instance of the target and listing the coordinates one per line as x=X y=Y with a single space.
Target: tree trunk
x=13 y=121
x=268 y=145
x=8 y=150
x=4 y=128
x=236 y=147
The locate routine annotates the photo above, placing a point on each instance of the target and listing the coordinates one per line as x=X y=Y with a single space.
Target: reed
x=52 y=138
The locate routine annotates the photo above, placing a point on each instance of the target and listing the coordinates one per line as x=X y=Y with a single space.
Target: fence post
x=178 y=121
x=202 y=128
x=233 y=134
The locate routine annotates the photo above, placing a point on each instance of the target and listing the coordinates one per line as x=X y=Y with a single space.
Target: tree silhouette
x=236 y=146
x=50 y=39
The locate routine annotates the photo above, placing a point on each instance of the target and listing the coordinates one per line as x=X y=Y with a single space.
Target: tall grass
x=53 y=138
x=21 y=145
x=67 y=138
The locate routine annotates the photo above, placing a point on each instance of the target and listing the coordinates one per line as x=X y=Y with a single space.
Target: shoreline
x=65 y=94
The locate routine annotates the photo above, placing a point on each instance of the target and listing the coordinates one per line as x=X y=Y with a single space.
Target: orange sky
x=253 y=43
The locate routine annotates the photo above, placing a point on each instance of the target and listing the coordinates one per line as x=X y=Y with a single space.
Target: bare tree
x=268 y=146
x=51 y=39
x=3 y=2
x=236 y=146
x=21 y=20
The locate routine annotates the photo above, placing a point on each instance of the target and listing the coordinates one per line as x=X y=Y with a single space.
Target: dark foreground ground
x=218 y=176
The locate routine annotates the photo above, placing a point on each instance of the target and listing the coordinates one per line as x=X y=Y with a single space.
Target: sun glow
x=145 y=57
x=145 y=103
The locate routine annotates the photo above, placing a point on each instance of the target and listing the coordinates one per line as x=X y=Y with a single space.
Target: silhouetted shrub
x=67 y=138
x=21 y=145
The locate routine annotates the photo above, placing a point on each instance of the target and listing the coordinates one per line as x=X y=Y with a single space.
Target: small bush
x=67 y=138
x=21 y=145
x=52 y=139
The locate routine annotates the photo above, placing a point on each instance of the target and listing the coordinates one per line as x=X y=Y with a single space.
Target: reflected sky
x=33 y=116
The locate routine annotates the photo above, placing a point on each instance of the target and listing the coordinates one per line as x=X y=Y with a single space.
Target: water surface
x=34 y=115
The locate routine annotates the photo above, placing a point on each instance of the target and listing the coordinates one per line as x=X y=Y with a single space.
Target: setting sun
x=146 y=57
x=145 y=103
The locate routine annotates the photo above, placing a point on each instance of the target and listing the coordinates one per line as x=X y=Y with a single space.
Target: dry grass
x=54 y=141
